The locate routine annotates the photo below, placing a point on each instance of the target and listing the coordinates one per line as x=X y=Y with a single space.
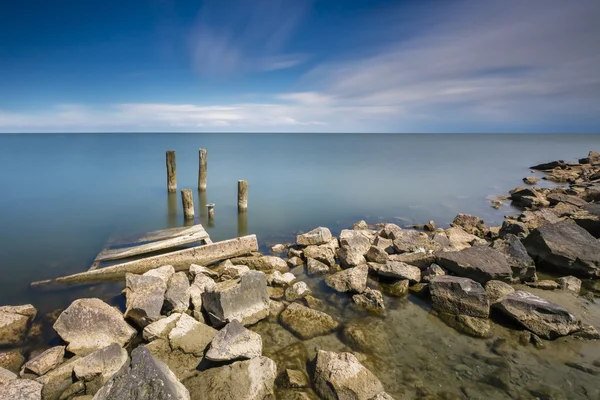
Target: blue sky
x=300 y=66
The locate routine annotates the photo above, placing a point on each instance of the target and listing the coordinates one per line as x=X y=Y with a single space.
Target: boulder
x=278 y=248
x=419 y=259
x=400 y=270
x=315 y=267
x=459 y=296
x=410 y=240
x=91 y=324
x=6 y=375
x=21 y=389
x=555 y=198
x=297 y=291
x=459 y=239
x=323 y=254
x=565 y=247
x=479 y=263
x=164 y=273
x=384 y=244
x=182 y=364
x=293 y=378
x=522 y=265
x=201 y=284
x=397 y=289
x=513 y=227
x=531 y=180
x=243 y=380
x=349 y=280
x=350 y=257
x=545 y=319
x=357 y=240
x=431 y=272
x=191 y=336
x=199 y=269
x=45 y=361
x=161 y=328
x=569 y=283
x=230 y=271
x=97 y=368
x=305 y=322
x=497 y=289
x=279 y=279
x=145 y=297
x=295 y=262
x=588 y=219
x=370 y=299
x=262 y=263
x=11 y=360
x=377 y=254
x=390 y=231
x=246 y=300
x=471 y=224
x=58 y=380
x=177 y=296
x=14 y=323
x=317 y=237
x=360 y=225
x=342 y=376
x=549 y=165
x=234 y=342
x=528 y=197
x=146 y=378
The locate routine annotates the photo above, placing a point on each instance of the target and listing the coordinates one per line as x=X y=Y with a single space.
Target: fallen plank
x=180 y=260
x=117 y=254
x=154 y=236
x=96 y=262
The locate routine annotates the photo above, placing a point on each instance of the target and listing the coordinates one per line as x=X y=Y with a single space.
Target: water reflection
x=242 y=223
x=172 y=210
x=203 y=209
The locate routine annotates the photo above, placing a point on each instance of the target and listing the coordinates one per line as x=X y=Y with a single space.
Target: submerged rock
x=234 y=342
x=317 y=236
x=294 y=378
x=145 y=297
x=305 y=322
x=91 y=324
x=370 y=299
x=349 y=280
x=569 y=283
x=472 y=326
x=544 y=285
x=479 y=263
x=315 y=267
x=297 y=291
x=397 y=289
x=146 y=378
x=14 y=323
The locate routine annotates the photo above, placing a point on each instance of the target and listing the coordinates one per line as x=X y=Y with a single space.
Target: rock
x=307 y=323
x=377 y=254
x=262 y=263
x=531 y=180
x=201 y=284
x=472 y=326
x=278 y=248
x=21 y=389
x=161 y=328
x=471 y=224
x=496 y=204
x=410 y=240
x=496 y=290
x=182 y=364
x=517 y=228
x=549 y=165
x=97 y=368
x=370 y=299
x=323 y=254
x=351 y=257
x=315 y=267
x=541 y=317
x=14 y=323
x=293 y=378
x=400 y=270
x=58 y=380
x=246 y=300
x=431 y=272
x=588 y=219
x=478 y=263
x=390 y=231
x=342 y=376
x=397 y=289
x=276 y=293
x=177 y=296
x=528 y=197
x=349 y=280
x=5 y=376
x=384 y=244
x=275 y=308
x=195 y=270
x=459 y=239
x=230 y=271
x=588 y=332
x=544 y=285
x=360 y=225
x=45 y=361
x=243 y=380
x=91 y=324
x=146 y=378
x=11 y=360
x=164 y=273
x=317 y=237
x=592 y=158
x=569 y=283
x=191 y=336
x=420 y=289
x=459 y=296
x=565 y=247
x=521 y=264
x=279 y=279
x=293 y=252
x=420 y=259
x=145 y=297
x=297 y=291
x=359 y=241
x=234 y=342
x=555 y=198
x=295 y=262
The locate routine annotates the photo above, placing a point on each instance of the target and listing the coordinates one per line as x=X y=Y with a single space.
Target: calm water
x=64 y=195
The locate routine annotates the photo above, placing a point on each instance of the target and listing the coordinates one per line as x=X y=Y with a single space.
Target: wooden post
x=211 y=211
x=202 y=169
x=171 y=171
x=242 y=195
x=188 y=203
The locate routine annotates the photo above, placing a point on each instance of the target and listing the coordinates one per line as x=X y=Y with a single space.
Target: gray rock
x=177 y=296
x=565 y=247
x=201 y=284
x=350 y=257
x=555 y=198
x=496 y=290
x=145 y=297
x=570 y=283
x=45 y=361
x=324 y=254
x=6 y=375
x=522 y=265
x=230 y=271
x=317 y=237
x=97 y=368
x=58 y=380
x=164 y=273
x=431 y=272
x=91 y=324
x=295 y=262
x=21 y=389
x=14 y=323
x=400 y=270
x=377 y=254
x=279 y=279
x=512 y=227
x=410 y=240
x=262 y=263
x=419 y=259
x=297 y=291
x=146 y=378
x=370 y=299
x=479 y=263
x=349 y=280
x=459 y=296
x=199 y=269
x=294 y=378
x=531 y=180
x=11 y=360
x=544 y=285
x=459 y=239
x=234 y=342
x=182 y=364
x=161 y=328
x=342 y=376
x=246 y=300
x=305 y=322
x=243 y=380
x=315 y=267
x=391 y=231
x=360 y=225
x=359 y=241
x=275 y=308
x=279 y=248
x=545 y=319
x=471 y=224
x=191 y=336
x=384 y=244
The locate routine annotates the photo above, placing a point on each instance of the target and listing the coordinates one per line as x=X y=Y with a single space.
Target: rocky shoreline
x=222 y=331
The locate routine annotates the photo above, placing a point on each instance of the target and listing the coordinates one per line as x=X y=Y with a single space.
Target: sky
x=300 y=66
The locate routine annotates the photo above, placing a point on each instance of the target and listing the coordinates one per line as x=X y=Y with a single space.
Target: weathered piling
x=211 y=211
x=242 y=223
x=171 y=171
x=188 y=203
x=202 y=158
x=242 y=195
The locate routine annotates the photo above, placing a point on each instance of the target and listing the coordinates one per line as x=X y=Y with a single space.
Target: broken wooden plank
x=155 y=236
x=180 y=260
x=96 y=262
x=117 y=254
